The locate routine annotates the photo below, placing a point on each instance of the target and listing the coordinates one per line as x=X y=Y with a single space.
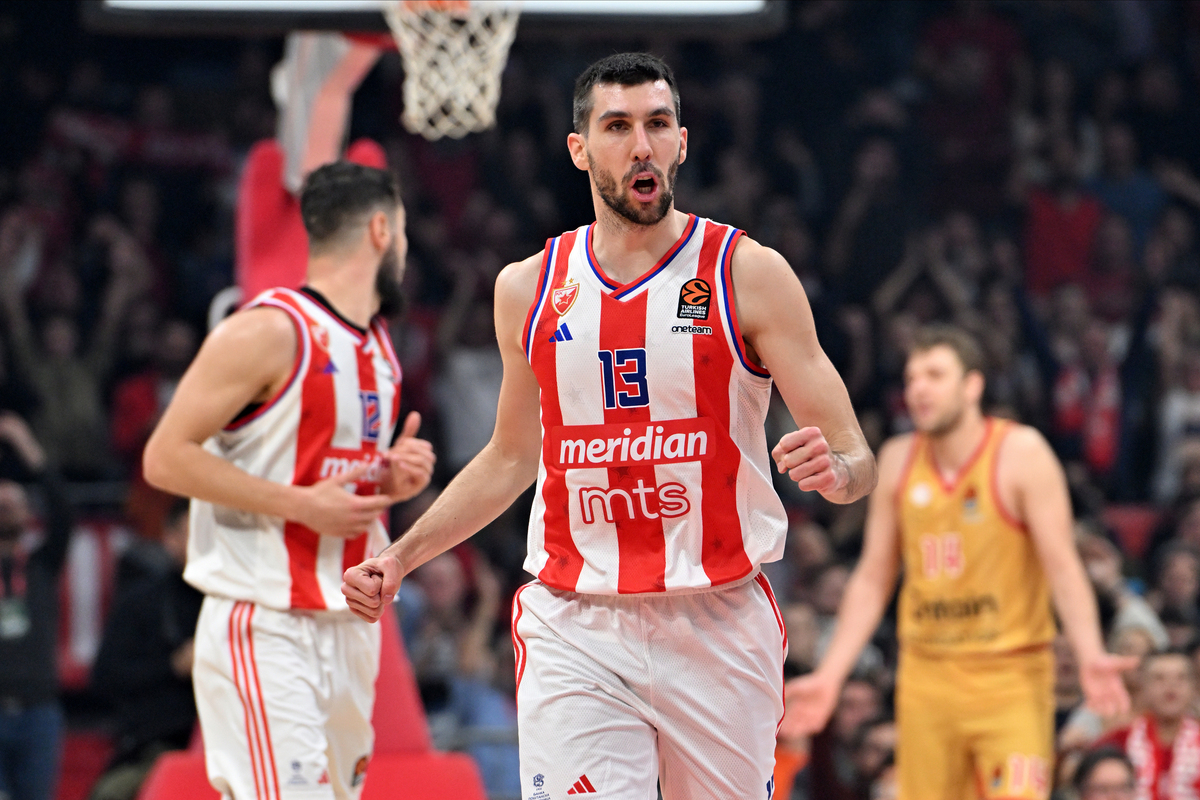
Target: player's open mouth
x=644 y=187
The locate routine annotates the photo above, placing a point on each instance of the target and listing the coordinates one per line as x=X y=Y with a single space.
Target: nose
x=641 y=144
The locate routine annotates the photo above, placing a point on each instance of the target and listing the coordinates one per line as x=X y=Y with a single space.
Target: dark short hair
x=1094 y=758
x=337 y=197
x=624 y=69
x=964 y=345
x=1169 y=652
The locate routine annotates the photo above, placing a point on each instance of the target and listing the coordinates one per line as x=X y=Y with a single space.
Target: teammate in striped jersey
x=280 y=433
x=638 y=358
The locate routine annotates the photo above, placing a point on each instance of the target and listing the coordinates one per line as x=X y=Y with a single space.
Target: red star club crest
x=563 y=297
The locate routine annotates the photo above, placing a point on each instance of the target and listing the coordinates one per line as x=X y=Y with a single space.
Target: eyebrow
x=661 y=111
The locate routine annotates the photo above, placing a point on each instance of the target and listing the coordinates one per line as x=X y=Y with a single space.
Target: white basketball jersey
x=338 y=409
x=655 y=475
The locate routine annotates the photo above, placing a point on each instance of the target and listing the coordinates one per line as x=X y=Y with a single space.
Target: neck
x=1167 y=729
x=625 y=250
x=348 y=283
x=953 y=448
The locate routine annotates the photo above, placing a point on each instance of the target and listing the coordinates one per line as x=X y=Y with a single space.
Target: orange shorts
x=975 y=728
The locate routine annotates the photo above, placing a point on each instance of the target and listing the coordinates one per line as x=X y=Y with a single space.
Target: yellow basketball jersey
x=973 y=583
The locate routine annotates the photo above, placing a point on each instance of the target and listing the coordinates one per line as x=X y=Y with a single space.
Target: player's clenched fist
x=371 y=585
x=808 y=460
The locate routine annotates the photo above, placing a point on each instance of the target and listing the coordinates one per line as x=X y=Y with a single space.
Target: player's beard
x=387 y=284
x=947 y=422
x=617 y=198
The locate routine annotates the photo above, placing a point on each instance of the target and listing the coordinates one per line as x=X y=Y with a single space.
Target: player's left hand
x=808 y=460
x=1103 y=690
x=409 y=463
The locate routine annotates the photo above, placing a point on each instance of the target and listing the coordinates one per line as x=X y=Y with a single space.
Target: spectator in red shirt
x=138 y=402
x=1163 y=743
x=1060 y=225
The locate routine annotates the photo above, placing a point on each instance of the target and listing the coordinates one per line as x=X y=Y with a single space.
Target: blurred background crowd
x=1028 y=170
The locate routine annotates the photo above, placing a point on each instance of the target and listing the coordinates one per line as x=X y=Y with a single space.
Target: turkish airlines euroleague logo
x=693 y=299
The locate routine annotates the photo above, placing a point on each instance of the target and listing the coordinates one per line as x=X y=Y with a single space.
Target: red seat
x=1133 y=525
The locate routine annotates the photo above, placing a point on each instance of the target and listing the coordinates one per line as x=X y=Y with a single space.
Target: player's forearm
x=1076 y=605
x=858 y=463
x=478 y=494
x=865 y=599
x=187 y=469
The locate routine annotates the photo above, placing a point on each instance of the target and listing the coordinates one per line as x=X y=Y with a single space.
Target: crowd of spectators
x=1028 y=170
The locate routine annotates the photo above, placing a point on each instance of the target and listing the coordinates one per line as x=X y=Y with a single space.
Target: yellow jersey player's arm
x=777 y=325
x=1034 y=488
x=810 y=699
x=248 y=358
x=491 y=481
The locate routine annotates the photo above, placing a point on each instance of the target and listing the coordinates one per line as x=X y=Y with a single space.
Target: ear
x=682 y=145
x=975 y=384
x=379 y=230
x=577 y=146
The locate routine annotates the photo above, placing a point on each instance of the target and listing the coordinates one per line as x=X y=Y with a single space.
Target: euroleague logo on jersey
x=694 y=297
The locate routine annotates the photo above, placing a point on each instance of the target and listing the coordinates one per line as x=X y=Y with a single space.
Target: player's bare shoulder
x=767 y=293
x=516 y=290
x=259 y=341
x=1022 y=448
x=757 y=267
x=1025 y=461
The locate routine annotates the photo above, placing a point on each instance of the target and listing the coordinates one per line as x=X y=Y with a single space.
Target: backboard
x=707 y=18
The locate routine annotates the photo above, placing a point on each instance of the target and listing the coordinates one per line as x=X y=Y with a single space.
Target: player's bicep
x=777 y=322
x=518 y=428
x=243 y=360
x=1042 y=498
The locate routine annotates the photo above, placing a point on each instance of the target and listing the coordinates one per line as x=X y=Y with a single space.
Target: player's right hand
x=371 y=585
x=809 y=702
x=329 y=509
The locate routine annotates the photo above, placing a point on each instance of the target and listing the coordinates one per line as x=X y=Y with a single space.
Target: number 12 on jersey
x=630 y=364
x=941 y=555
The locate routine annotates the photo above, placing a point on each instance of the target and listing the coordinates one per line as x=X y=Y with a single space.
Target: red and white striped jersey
x=338 y=409
x=655 y=474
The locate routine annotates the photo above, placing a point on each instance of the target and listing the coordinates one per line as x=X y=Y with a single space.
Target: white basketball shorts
x=616 y=694
x=284 y=700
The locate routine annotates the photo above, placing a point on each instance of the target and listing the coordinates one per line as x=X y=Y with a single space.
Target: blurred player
x=976 y=509
x=280 y=431
x=638 y=358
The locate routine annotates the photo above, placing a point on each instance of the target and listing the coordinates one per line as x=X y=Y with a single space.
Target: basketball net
x=453 y=52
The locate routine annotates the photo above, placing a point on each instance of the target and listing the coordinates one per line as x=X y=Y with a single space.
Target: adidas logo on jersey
x=563 y=334
x=582 y=786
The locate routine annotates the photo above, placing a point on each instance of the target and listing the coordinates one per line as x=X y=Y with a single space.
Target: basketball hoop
x=453 y=52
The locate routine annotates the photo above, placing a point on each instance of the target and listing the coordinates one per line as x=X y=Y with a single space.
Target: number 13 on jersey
x=630 y=364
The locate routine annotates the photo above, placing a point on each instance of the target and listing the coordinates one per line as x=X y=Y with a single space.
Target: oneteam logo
x=695 y=330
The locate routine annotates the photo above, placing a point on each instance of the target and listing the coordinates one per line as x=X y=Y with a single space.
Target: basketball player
x=976 y=510
x=638 y=358
x=280 y=431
